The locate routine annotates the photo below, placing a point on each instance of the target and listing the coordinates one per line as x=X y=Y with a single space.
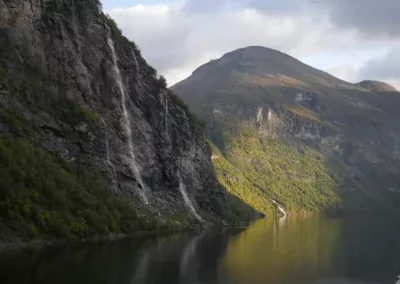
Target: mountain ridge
x=261 y=94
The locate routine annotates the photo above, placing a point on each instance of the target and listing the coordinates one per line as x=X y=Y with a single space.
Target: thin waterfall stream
x=126 y=122
x=186 y=199
x=166 y=114
x=280 y=208
x=111 y=166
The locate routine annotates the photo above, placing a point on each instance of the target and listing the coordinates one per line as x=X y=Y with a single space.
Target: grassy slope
x=257 y=169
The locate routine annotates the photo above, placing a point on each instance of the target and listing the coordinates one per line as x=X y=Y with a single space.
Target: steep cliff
x=91 y=140
x=297 y=134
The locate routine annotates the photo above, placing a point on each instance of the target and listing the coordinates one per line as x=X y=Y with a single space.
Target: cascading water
x=113 y=175
x=186 y=199
x=136 y=68
x=280 y=208
x=166 y=114
x=126 y=122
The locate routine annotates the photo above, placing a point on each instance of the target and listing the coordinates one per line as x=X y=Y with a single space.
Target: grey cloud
x=176 y=39
x=278 y=6
x=213 y=6
x=386 y=68
x=369 y=17
x=204 y=6
x=171 y=39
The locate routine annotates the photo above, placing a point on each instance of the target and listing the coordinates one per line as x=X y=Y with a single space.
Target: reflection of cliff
x=150 y=260
x=271 y=253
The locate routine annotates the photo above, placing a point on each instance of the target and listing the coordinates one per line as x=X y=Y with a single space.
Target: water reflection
x=357 y=250
x=283 y=251
x=295 y=250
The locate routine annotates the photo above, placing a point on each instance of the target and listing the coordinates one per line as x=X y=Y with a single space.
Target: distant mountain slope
x=376 y=86
x=299 y=135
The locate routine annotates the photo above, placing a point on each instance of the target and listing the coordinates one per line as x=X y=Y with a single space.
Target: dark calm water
x=357 y=250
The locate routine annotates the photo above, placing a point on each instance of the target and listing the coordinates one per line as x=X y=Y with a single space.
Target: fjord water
x=351 y=250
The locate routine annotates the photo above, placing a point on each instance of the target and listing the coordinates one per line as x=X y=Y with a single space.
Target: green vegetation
x=113 y=25
x=43 y=197
x=178 y=101
x=237 y=184
x=16 y=123
x=257 y=169
x=78 y=113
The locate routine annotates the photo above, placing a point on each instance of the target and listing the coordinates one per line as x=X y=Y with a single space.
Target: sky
x=351 y=39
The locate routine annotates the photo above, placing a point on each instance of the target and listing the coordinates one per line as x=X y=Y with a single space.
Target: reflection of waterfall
x=398 y=279
x=187 y=200
x=189 y=253
x=282 y=222
x=141 y=271
x=111 y=166
x=126 y=122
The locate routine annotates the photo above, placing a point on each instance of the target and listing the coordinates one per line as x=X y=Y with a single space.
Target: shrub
x=162 y=82
x=178 y=101
x=48 y=198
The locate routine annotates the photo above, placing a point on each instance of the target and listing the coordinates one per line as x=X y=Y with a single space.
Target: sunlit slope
x=260 y=169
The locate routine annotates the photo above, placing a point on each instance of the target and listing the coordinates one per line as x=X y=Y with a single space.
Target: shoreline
x=109 y=238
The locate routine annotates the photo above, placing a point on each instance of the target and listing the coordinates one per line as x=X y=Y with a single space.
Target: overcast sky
x=351 y=39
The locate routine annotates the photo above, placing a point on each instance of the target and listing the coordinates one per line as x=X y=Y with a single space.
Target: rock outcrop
x=71 y=83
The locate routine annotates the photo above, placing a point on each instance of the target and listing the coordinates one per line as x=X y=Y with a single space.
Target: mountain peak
x=264 y=66
x=257 y=52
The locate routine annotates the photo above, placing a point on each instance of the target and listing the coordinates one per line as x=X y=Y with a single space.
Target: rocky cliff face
x=344 y=136
x=72 y=84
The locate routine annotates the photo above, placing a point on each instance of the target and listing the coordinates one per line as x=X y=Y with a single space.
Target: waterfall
x=280 y=208
x=260 y=114
x=166 y=114
x=398 y=279
x=136 y=62
x=187 y=200
x=138 y=83
x=99 y=8
x=133 y=165
x=113 y=175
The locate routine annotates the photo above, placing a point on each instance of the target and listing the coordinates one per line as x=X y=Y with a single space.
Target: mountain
x=91 y=141
x=376 y=86
x=284 y=131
